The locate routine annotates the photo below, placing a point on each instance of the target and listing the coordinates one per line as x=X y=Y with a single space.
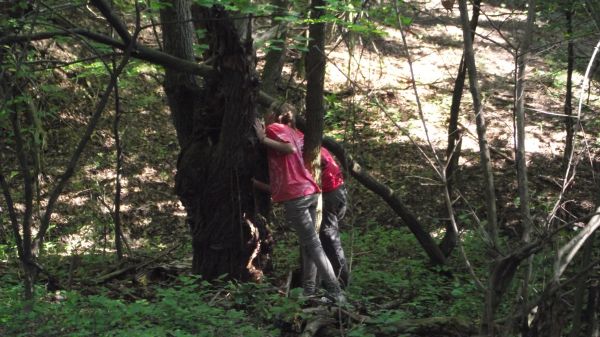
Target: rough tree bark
x=271 y=77
x=218 y=144
x=551 y=318
x=181 y=87
x=12 y=86
x=275 y=58
x=116 y=211
x=315 y=110
x=315 y=80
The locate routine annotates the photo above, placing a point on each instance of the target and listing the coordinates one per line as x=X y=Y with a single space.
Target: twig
x=214 y=298
x=357 y=317
x=124 y=270
x=288 y=284
x=392 y=304
x=569 y=176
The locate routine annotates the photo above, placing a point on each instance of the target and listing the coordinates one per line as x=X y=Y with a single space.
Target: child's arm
x=261 y=185
x=271 y=143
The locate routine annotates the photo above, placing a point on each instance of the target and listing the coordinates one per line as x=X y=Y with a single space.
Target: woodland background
x=467 y=131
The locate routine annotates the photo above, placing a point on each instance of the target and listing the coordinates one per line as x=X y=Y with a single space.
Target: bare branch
x=484 y=152
x=14 y=221
x=569 y=172
x=141 y=52
x=70 y=169
x=567 y=252
x=114 y=20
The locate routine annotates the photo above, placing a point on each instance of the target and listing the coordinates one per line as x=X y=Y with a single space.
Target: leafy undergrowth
x=185 y=309
x=391 y=282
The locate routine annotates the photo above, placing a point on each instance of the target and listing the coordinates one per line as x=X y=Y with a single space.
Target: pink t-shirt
x=331 y=175
x=288 y=177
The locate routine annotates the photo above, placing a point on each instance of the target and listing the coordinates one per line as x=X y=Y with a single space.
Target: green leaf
x=406 y=21
x=157 y=5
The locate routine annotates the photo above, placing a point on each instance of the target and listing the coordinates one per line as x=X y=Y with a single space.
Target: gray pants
x=300 y=214
x=334 y=209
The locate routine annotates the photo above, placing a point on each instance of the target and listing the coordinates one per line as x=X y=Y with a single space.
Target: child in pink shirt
x=292 y=185
x=335 y=199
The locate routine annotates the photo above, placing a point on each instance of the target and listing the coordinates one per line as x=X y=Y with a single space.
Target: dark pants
x=334 y=209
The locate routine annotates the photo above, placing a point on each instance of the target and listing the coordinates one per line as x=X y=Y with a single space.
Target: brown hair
x=287 y=114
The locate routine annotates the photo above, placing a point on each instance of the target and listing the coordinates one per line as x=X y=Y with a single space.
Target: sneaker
x=340 y=299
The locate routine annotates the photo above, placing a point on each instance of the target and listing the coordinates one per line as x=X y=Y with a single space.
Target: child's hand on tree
x=259 y=127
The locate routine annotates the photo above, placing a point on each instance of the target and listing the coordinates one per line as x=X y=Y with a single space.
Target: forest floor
x=394 y=144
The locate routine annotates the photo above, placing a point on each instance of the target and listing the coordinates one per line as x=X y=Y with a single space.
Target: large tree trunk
x=218 y=147
x=315 y=110
x=181 y=88
x=315 y=80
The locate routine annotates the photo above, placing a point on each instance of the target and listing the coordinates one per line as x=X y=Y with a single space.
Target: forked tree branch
x=112 y=18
